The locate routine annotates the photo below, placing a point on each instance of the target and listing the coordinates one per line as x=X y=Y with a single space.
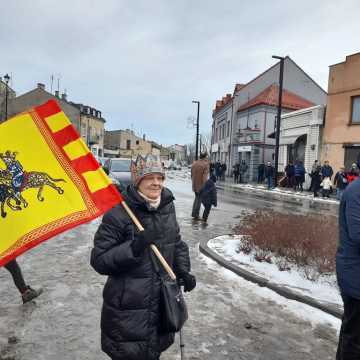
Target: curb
x=332 y=309
x=275 y=195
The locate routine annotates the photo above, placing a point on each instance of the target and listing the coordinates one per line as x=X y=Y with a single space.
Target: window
x=355 y=110
x=128 y=144
x=228 y=129
x=137 y=142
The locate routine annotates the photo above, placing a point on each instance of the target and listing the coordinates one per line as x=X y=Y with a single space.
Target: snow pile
x=324 y=289
x=298 y=194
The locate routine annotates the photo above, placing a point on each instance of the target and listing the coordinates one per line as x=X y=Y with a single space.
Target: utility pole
x=197 y=129
x=278 y=119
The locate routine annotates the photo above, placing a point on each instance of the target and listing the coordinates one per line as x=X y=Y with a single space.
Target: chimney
x=144 y=137
x=57 y=93
x=64 y=96
x=41 y=86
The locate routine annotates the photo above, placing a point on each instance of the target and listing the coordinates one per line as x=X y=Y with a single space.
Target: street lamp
x=7 y=78
x=278 y=119
x=197 y=128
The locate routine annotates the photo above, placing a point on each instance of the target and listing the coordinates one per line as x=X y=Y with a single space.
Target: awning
x=287 y=140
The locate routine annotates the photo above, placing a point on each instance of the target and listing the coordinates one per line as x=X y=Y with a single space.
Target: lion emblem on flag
x=14 y=180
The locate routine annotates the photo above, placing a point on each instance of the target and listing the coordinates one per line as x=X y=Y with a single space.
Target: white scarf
x=153 y=203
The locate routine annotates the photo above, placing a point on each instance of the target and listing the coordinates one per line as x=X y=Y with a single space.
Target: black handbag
x=173 y=309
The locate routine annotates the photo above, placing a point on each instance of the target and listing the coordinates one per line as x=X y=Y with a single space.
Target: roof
x=270 y=96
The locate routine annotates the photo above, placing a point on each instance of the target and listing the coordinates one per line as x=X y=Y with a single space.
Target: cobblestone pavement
x=230 y=318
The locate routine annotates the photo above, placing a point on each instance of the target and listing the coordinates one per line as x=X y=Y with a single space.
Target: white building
x=300 y=137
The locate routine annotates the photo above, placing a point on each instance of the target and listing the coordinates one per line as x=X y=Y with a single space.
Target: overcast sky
x=142 y=62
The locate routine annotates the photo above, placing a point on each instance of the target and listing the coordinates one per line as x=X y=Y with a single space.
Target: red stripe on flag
x=66 y=135
x=107 y=198
x=49 y=108
x=85 y=163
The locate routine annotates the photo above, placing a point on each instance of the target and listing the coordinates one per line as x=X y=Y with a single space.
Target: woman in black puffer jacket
x=131 y=308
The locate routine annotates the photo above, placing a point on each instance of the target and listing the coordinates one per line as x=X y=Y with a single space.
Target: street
x=230 y=318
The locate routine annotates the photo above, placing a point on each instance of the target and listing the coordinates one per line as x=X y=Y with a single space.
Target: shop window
x=355 y=110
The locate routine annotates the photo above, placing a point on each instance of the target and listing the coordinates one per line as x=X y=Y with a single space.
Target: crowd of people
x=322 y=178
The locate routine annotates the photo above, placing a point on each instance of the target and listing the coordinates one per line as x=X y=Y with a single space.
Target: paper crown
x=143 y=166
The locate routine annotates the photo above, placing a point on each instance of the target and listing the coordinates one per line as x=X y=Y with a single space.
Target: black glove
x=142 y=239
x=189 y=281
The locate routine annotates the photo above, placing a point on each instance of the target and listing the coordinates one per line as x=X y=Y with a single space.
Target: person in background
x=199 y=176
x=314 y=168
x=243 y=169
x=290 y=172
x=212 y=168
x=218 y=170
x=299 y=174
x=269 y=175
x=27 y=292
x=236 y=172
x=326 y=170
x=261 y=173
x=326 y=185
x=352 y=174
x=348 y=270
x=223 y=171
x=208 y=196
x=340 y=182
x=316 y=180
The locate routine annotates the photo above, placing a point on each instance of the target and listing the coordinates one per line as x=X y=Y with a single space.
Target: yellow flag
x=49 y=180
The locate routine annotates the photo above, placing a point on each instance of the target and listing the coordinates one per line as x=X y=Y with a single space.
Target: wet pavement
x=230 y=318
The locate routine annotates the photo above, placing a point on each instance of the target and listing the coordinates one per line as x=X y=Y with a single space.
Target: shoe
x=30 y=294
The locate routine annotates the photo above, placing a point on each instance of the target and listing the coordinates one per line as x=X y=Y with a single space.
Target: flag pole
x=153 y=247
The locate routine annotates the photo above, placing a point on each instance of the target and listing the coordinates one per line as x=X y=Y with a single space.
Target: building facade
x=39 y=96
x=301 y=137
x=341 y=141
x=296 y=81
x=92 y=128
x=127 y=143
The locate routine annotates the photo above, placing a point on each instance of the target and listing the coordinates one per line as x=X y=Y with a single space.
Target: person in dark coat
x=316 y=180
x=314 y=168
x=340 y=182
x=218 y=170
x=269 y=175
x=299 y=173
x=236 y=172
x=290 y=173
x=130 y=319
x=348 y=270
x=243 y=169
x=261 y=173
x=326 y=170
x=223 y=171
x=209 y=196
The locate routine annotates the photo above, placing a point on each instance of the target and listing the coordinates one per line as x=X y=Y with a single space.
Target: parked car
x=119 y=171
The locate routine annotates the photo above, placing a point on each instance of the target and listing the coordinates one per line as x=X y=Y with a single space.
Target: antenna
x=58 y=82
x=51 y=83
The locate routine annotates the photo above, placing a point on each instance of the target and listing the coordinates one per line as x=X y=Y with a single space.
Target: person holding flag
x=130 y=321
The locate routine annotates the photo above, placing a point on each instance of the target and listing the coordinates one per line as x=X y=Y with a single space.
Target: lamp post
x=278 y=119
x=7 y=78
x=197 y=129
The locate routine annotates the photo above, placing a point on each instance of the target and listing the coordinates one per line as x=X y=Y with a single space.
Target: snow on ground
x=298 y=194
x=324 y=289
x=303 y=311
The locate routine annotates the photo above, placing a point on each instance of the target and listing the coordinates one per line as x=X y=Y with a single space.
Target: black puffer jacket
x=130 y=314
